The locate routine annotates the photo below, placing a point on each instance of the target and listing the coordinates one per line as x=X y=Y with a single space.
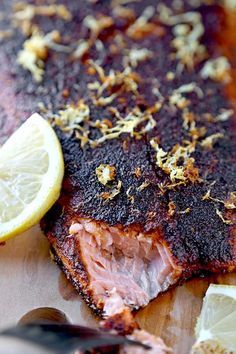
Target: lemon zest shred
x=141 y=24
x=24 y=14
x=72 y=119
x=224 y=115
x=229 y=203
x=185 y=211
x=142 y=186
x=123 y=81
x=82 y=48
x=97 y=25
x=225 y=221
x=179 y=100
x=105 y=173
x=128 y=125
x=187 y=29
x=171 y=208
x=107 y=196
x=136 y=56
x=210 y=140
x=130 y=196
x=24 y=11
x=35 y=52
x=169 y=162
x=216 y=69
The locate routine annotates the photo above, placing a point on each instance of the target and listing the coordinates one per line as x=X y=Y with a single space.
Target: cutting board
x=30 y=279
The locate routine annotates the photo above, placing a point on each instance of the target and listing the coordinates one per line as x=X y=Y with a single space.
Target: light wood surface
x=30 y=279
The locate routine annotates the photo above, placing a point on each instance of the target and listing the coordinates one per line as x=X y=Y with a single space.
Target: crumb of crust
x=171 y=208
x=109 y=195
x=122 y=323
x=187 y=29
x=65 y=93
x=208 y=117
x=142 y=186
x=151 y=214
x=142 y=27
x=210 y=140
x=177 y=163
x=24 y=14
x=216 y=69
x=35 y=52
x=105 y=173
x=137 y=172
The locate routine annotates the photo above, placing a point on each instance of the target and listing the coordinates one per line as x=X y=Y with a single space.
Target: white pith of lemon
x=216 y=326
x=31 y=172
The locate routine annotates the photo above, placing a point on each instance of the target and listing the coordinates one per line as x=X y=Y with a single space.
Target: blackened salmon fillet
x=141 y=95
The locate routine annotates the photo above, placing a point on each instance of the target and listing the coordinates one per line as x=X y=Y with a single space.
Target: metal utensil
x=48 y=329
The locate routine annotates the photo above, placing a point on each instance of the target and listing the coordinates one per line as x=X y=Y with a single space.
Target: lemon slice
x=216 y=326
x=31 y=172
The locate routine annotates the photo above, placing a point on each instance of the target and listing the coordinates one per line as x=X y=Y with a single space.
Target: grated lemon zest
x=107 y=196
x=210 y=140
x=136 y=55
x=177 y=163
x=97 y=25
x=187 y=30
x=216 y=69
x=24 y=13
x=224 y=115
x=127 y=125
x=72 y=119
x=35 y=52
x=141 y=22
x=179 y=100
x=105 y=173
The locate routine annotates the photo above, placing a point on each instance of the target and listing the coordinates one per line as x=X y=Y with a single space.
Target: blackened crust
x=199 y=239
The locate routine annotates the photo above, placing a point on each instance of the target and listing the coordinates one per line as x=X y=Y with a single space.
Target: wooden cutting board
x=30 y=279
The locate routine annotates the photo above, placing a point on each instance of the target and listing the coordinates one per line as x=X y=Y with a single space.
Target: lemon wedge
x=31 y=172
x=216 y=326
